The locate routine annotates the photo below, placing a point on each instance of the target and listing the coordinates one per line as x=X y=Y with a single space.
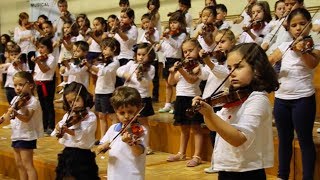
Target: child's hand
x=205 y=109
x=103 y=148
x=62 y=69
x=177 y=65
x=57 y=127
x=127 y=77
x=127 y=138
x=157 y=47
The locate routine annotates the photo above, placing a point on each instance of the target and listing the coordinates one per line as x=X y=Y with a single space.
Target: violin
x=256 y=25
x=308 y=45
x=208 y=28
x=20 y=102
x=172 y=33
x=219 y=55
x=141 y=69
x=41 y=58
x=136 y=130
x=125 y=27
x=188 y=65
x=75 y=117
x=225 y=99
x=30 y=25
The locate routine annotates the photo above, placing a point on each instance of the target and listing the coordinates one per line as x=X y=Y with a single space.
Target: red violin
x=41 y=58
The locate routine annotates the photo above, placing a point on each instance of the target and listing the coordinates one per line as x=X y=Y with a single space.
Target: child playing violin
x=127 y=155
x=76 y=131
x=26 y=119
x=44 y=76
x=139 y=74
x=244 y=142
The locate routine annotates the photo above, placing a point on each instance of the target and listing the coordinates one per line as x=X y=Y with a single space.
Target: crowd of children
x=220 y=79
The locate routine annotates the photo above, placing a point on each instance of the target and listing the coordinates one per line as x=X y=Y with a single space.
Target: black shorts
x=148 y=108
x=181 y=104
x=102 y=103
x=24 y=144
x=168 y=64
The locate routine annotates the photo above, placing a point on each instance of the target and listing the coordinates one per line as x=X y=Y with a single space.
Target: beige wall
x=9 y=9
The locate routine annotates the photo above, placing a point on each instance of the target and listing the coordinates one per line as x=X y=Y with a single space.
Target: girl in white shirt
x=244 y=142
x=106 y=81
x=295 y=103
x=76 y=131
x=139 y=74
x=187 y=87
x=26 y=119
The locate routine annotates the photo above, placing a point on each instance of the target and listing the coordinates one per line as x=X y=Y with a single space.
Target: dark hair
x=275 y=7
x=15 y=48
x=305 y=13
x=74 y=28
x=43 y=17
x=186 y=3
x=265 y=78
x=265 y=8
x=102 y=21
x=180 y=17
x=125 y=2
x=86 y=20
x=112 y=16
x=6 y=36
x=22 y=16
x=156 y=4
x=212 y=9
x=46 y=41
x=146 y=16
x=222 y=7
x=125 y=96
x=74 y=87
x=83 y=45
x=28 y=76
x=151 y=55
x=113 y=44
x=129 y=12
x=62 y=1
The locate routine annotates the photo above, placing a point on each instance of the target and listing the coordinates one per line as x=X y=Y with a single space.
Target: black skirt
x=77 y=163
x=180 y=106
x=148 y=108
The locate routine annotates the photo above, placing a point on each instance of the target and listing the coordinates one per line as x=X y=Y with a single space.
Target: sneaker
x=210 y=170
x=7 y=126
x=171 y=111
x=318 y=130
x=149 y=151
x=164 y=110
x=60 y=100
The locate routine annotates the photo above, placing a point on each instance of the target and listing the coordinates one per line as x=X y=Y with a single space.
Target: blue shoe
x=164 y=110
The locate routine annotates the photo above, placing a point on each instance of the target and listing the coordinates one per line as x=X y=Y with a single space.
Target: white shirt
x=214 y=78
x=189 y=23
x=126 y=46
x=183 y=88
x=106 y=77
x=11 y=71
x=171 y=47
x=254 y=119
x=77 y=74
x=31 y=130
x=260 y=34
x=84 y=137
x=246 y=18
x=122 y=164
x=295 y=77
x=64 y=53
x=25 y=45
x=94 y=46
x=142 y=36
x=142 y=86
x=48 y=76
x=58 y=23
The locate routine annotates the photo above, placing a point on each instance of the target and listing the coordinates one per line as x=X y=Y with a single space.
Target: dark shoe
x=154 y=99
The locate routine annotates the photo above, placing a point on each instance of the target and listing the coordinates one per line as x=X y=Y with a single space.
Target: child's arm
x=312 y=58
x=26 y=117
x=190 y=78
x=275 y=56
x=46 y=65
x=137 y=147
x=176 y=43
x=173 y=77
x=124 y=71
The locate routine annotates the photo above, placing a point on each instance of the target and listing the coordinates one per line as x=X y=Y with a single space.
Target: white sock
x=167 y=105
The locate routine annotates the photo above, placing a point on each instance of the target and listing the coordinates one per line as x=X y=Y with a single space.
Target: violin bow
x=124 y=128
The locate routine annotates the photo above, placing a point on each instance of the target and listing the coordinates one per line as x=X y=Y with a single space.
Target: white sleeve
x=17 y=35
x=123 y=69
x=176 y=43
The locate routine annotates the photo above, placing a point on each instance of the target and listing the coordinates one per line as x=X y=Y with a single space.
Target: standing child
x=83 y=24
x=171 y=48
x=26 y=119
x=222 y=12
x=44 y=76
x=153 y=9
x=295 y=103
x=106 y=81
x=127 y=154
x=76 y=131
x=258 y=27
x=184 y=6
x=244 y=142
x=187 y=87
x=139 y=74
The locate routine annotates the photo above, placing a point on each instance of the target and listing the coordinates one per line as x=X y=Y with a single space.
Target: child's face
x=257 y=13
x=289 y=5
x=145 y=23
x=221 y=15
x=189 y=50
x=174 y=25
x=207 y=17
x=151 y=7
x=183 y=7
x=3 y=40
x=107 y=52
x=142 y=55
x=123 y=6
x=20 y=85
x=41 y=20
x=43 y=49
x=209 y=3
x=80 y=22
x=47 y=29
x=97 y=25
x=252 y=1
x=124 y=19
x=24 y=21
x=243 y=74
x=78 y=103
x=63 y=7
x=224 y=44
x=280 y=9
x=66 y=28
x=125 y=113
x=297 y=25
x=111 y=22
x=13 y=55
x=78 y=52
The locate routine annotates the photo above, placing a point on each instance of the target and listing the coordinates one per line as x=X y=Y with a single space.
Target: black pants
x=26 y=58
x=155 y=81
x=248 y=175
x=10 y=93
x=46 y=102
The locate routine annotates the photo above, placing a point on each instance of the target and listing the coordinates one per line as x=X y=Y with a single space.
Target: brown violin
x=308 y=45
x=75 y=117
x=141 y=69
x=257 y=25
x=188 y=64
x=41 y=58
x=136 y=130
x=227 y=100
x=219 y=55
x=21 y=102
